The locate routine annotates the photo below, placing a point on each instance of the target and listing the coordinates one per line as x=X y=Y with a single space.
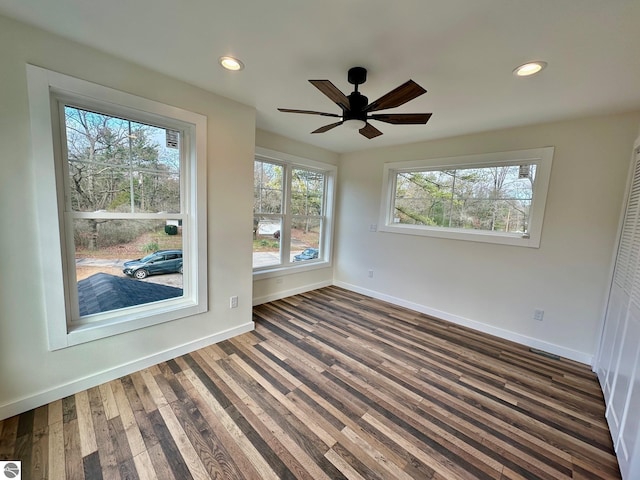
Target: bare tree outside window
x=496 y=198
x=118 y=169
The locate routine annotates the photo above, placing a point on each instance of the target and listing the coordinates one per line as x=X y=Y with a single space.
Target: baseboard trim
x=33 y=401
x=288 y=293
x=568 y=353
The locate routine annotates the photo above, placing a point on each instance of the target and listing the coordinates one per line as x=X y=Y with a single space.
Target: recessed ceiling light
x=231 y=63
x=530 y=68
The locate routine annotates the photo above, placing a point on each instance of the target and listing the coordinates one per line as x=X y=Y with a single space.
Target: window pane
x=268 y=181
x=305 y=239
x=118 y=165
x=307 y=188
x=494 y=198
x=106 y=249
x=266 y=241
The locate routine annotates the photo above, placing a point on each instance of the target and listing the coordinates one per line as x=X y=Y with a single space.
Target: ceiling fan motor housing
x=357 y=104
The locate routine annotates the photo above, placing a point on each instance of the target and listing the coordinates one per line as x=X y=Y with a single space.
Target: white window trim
x=543 y=157
x=326 y=240
x=43 y=88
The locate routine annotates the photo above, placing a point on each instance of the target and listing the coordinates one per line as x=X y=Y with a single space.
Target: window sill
x=470 y=235
x=279 y=271
x=90 y=331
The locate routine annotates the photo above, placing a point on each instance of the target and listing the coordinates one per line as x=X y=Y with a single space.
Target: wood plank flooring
x=330 y=385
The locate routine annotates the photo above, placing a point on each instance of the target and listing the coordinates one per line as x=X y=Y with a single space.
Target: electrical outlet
x=233 y=302
x=373 y=227
x=538 y=314
x=370 y=273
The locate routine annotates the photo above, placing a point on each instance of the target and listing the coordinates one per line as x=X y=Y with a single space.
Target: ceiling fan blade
x=310 y=112
x=370 y=131
x=402 y=118
x=396 y=97
x=327 y=127
x=331 y=91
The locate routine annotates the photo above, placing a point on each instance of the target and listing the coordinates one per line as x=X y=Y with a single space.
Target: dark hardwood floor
x=330 y=385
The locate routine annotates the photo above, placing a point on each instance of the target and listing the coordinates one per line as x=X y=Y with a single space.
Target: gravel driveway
x=85 y=267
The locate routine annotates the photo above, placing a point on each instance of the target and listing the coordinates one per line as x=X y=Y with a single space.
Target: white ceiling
x=462 y=51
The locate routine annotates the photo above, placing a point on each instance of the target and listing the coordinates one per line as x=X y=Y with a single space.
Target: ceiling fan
x=356 y=111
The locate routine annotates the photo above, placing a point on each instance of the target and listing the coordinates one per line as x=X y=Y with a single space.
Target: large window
x=293 y=202
x=123 y=178
x=495 y=198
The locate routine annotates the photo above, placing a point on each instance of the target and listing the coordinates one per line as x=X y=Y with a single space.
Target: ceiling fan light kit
x=354 y=124
x=356 y=109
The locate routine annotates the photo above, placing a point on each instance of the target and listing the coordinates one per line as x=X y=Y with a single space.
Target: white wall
x=31 y=375
x=279 y=286
x=491 y=287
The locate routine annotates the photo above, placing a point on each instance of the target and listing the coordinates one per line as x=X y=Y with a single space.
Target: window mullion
x=285 y=234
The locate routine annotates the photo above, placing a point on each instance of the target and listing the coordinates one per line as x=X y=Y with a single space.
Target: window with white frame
x=122 y=208
x=293 y=204
x=497 y=198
